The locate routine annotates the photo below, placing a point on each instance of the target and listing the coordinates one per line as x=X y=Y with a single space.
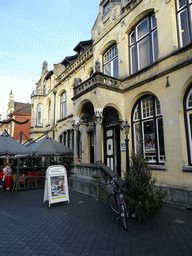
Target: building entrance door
x=112 y=154
x=112 y=149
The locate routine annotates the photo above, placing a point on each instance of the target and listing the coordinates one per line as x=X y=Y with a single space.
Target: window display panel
x=149 y=140
x=58 y=186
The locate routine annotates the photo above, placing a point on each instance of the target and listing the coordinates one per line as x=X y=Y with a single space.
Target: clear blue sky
x=32 y=31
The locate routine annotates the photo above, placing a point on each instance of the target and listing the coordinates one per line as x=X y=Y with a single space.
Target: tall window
x=143 y=44
x=40 y=114
x=184 y=14
x=188 y=121
x=63 y=105
x=148 y=129
x=49 y=113
x=110 y=62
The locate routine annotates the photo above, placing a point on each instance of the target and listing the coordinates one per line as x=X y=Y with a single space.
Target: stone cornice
x=75 y=65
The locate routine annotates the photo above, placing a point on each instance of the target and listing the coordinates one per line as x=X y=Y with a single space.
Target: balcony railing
x=96 y=80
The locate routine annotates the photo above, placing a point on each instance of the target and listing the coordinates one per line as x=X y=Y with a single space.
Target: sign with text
x=56 y=185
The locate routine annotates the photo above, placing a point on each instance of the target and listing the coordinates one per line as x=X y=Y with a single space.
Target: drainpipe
x=54 y=92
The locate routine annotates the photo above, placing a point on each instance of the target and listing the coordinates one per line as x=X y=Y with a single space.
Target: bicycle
x=117 y=203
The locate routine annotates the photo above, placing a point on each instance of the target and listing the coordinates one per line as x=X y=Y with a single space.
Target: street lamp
x=127 y=128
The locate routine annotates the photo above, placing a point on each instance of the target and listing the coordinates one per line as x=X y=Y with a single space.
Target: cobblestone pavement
x=87 y=228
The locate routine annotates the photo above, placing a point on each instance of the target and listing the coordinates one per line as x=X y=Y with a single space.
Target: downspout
x=54 y=92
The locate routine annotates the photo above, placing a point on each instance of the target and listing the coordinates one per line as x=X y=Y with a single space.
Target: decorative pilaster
x=76 y=130
x=98 y=119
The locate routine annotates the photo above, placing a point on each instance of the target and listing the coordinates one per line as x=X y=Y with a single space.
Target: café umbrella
x=48 y=146
x=9 y=146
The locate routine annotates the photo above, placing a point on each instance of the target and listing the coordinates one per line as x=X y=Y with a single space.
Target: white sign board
x=56 y=185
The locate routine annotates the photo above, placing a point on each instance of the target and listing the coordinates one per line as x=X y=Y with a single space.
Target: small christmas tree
x=143 y=198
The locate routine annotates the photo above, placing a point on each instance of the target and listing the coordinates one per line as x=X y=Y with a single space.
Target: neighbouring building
x=18 y=120
x=136 y=67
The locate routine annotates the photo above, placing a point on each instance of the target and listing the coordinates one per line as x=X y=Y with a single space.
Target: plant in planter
x=143 y=197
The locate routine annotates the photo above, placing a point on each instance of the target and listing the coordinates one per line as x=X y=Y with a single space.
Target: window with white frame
x=49 y=112
x=184 y=18
x=110 y=62
x=143 y=44
x=39 y=114
x=188 y=121
x=63 y=111
x=147 y=124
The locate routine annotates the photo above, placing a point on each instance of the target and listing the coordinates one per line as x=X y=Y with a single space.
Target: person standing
x=7 y=176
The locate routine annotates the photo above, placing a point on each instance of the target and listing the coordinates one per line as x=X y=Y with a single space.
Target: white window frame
x=63 y=105
x=157 y=158
x=135 y=41
x=187 y=7
x=40 y=114
x=188 y=111
x=111 y=60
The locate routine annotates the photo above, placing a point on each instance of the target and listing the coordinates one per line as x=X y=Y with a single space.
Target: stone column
x=98 y=118
x=76 y=130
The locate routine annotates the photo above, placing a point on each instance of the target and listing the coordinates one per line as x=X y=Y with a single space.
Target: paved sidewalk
x=87 y=228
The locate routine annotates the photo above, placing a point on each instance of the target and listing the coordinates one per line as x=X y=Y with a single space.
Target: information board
x=56 y=185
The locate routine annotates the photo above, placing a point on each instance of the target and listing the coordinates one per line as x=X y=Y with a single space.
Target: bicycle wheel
x=113 y=203
x=124 y=216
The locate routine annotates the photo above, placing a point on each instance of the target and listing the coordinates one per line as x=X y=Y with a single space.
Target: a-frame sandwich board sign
x=56 y=185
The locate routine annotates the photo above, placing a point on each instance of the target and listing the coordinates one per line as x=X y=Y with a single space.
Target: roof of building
x=69 y=59
x=22 y=108
x=82 y=44
x=48 y=74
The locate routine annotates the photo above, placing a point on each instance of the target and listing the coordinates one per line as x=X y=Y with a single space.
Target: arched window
x=49 y=113
x=39 y=114
x=188 y=121
x=143 y=44
x=63 y=112
x=110 y=62
x=112 y=118
x=148 y=129
x=184 y=14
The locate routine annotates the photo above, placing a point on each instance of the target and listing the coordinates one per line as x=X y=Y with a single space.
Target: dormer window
x=106 y=7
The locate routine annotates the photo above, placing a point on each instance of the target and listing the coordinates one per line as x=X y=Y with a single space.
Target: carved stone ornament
x=77 y=81
x=98 y=115
x=45 y=67
x=97 y=66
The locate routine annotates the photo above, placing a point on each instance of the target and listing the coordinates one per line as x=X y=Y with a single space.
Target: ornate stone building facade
x=136 y=67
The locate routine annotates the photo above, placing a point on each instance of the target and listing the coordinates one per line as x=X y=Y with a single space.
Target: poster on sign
x=56 y=185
